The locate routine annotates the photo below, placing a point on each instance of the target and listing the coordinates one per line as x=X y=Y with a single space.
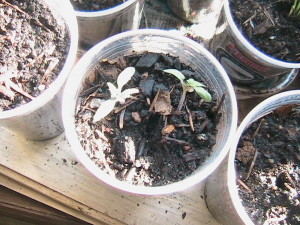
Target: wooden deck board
x=48 y=172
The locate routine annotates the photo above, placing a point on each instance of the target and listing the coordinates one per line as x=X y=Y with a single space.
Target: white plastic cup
x=221 y=191
x=253 y=73
x=95 y=26
x=160 y=41
x=41 y=119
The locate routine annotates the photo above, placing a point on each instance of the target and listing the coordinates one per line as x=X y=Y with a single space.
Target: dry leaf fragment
x=7 y=86
x=163 y=103
x=246 y=153
x=167 y=129
x=136 y=117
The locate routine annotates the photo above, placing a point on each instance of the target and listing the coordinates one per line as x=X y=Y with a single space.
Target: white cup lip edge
x=106 y=12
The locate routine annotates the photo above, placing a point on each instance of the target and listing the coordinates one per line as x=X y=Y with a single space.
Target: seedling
x=295 y=9
x=117 y=95
x=189 y=85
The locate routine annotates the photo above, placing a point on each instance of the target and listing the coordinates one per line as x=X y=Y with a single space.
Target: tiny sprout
x=189 y=85
x=117 y=95
x=198 y=87
x=295 y=9
x=176 y=73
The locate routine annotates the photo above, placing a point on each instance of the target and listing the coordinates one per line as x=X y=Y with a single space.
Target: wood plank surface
x=16 y=208
x=49 y=172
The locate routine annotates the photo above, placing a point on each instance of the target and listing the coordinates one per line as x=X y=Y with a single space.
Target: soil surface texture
x=270 y=192
x=147 y=141
x=268 y=26
x=34 y=47
x=95 y=5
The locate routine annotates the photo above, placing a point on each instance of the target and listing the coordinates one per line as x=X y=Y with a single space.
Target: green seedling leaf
x=203 y=93
x=116 y=94
x=295 y=9
x=128 y=92
x=113 y=90
x=104 y=109
x=125 y=76
x=193 y=83
x=176 y=73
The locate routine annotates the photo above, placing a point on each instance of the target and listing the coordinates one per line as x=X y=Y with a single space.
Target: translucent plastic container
x=95 y=26
x=41 y=119
x=190 y=53
x=196 y=11
x=252 y=72
x=221 y=191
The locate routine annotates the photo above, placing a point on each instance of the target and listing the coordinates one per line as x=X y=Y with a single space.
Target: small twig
x=148 y=101
x=101 y=135
x=203 y=125
x=177 y=141
x=182 y=125
x=269 y=17
x=7 y=92
x=217 y=108
x=129 y=102
x=250 y=18
x=165 y=119
x=121 y=121
x=26 y=14
x=190 y=119
x=92 y=95
x=288 y=177
x=15 y=7
x=172 y=89
x=18 y=89
x=36 y=58
x=89 y=91
x=182 y=99
x=40 y=24
x=88 y=108
x=244 y=185
x=50 y=68
x=259 y=125
x=252 y=164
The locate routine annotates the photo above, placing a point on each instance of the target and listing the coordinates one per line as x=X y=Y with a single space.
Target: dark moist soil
x=33 y=51
x=271 y=194
x=266 y=24
x=95 y=5
x=156 y=145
